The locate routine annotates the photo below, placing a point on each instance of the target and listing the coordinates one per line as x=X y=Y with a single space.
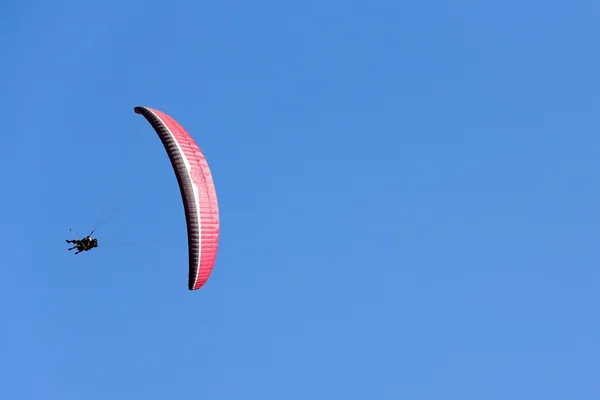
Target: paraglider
x=197 y=192
x=85 y=244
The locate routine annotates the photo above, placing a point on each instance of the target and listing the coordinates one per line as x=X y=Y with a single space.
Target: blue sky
x=408 y=194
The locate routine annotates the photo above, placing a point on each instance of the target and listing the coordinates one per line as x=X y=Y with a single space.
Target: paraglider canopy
x=197 y=192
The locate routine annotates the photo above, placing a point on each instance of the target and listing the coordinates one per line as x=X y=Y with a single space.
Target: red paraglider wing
x=197 y=192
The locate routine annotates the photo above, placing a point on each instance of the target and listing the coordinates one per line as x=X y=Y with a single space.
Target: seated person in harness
x=85 y=244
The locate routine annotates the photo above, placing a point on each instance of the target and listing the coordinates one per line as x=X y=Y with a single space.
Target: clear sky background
x=408 y=194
